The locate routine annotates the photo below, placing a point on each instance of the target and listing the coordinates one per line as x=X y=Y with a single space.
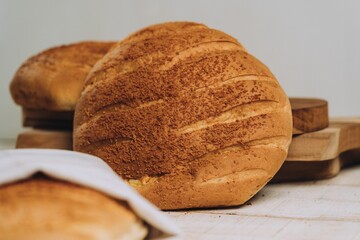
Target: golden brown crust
x=227 y=177
x=163 y=112
x=157 y=49
x=51 y=209
x=53 y=79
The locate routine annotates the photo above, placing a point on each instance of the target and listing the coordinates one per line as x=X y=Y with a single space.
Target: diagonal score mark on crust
x=278 y=141
x=121 y=105
x=242 y=174
x=202 y=48
x=218 y=179
x=105 y=142
x=237 y=113
x=245 y=77
x=114 y=107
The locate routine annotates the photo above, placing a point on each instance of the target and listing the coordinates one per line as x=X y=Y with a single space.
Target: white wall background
x=313 y=47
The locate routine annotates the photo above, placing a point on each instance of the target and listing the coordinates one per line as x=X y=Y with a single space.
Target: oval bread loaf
x=53 y=79
x=52 y=209
x=186 y=115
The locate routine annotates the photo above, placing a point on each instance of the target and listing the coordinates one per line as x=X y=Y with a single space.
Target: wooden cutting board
x=47 y=119
x=342 y=135
x=55 y=139
x=309 y=114
x=323 y=153
x=316 y=170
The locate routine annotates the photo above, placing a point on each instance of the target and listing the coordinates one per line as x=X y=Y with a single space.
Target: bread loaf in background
x=45 y=209
x=186 y=115
x=53 y=79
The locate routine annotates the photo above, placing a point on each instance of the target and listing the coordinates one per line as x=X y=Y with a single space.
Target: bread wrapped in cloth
x=186 y=115
x=43 y=208
x=53 y=79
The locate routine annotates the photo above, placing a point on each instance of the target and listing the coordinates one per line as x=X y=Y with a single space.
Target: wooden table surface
x=326 y=209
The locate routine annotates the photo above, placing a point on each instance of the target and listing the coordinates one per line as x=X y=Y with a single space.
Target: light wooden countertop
x=327 y=209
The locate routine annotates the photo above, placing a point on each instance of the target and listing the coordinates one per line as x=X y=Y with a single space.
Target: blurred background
x=312 y=47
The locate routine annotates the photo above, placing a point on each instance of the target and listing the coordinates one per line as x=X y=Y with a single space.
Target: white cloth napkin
x=85 y=170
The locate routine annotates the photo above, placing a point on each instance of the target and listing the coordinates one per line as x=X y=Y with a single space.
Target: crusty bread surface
x=53 y=79
x=50 y=209
x=186 y=115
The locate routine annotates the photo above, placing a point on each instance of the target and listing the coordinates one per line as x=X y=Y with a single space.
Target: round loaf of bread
x=186 y=115
x=53 y=79
x=50 y=209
